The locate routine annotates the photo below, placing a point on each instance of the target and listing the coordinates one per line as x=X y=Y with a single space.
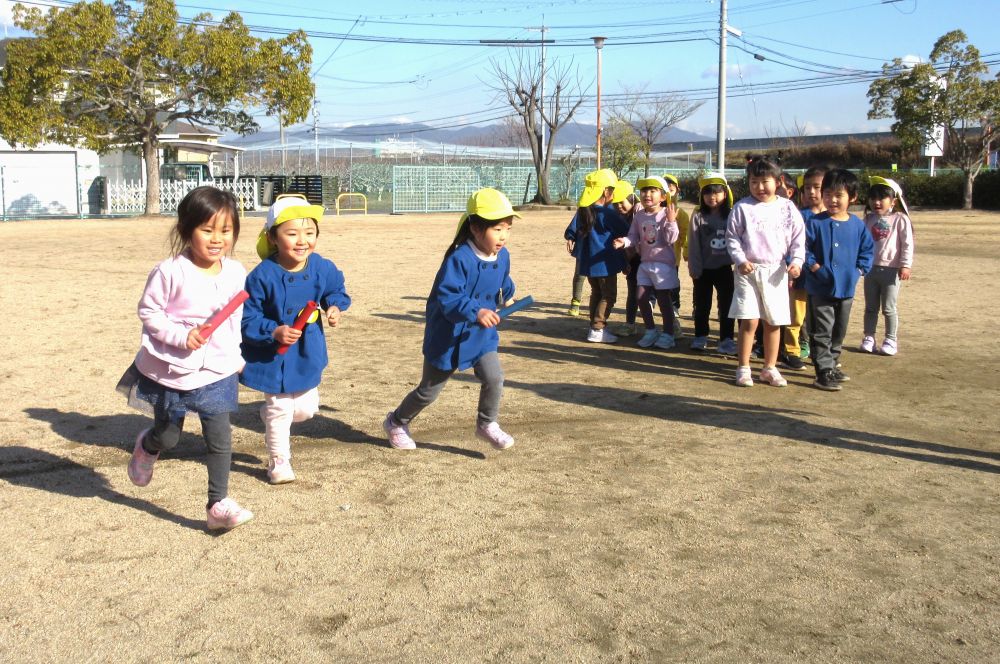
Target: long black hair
x=465 y=231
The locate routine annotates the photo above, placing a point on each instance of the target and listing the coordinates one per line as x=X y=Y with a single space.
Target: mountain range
x=478 y=135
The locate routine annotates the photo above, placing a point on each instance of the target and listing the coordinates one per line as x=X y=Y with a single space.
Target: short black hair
x=762 y=166
x=813 y=171
x=878 y=191
x=838 y=178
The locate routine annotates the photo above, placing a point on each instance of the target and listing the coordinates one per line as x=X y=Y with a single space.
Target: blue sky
x=367 y=68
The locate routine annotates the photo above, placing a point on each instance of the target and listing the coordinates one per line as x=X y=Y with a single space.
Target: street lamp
x=599 y=44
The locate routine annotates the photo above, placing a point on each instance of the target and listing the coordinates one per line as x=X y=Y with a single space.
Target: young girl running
x=461 y=313
x=892 y=232
x=709 y=263
x=590 y=236
x=653 y=233
x=179 y=369
x=290 y=276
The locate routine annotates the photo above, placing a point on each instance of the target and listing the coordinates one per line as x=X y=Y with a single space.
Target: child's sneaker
x=649 y=338
x=140 y=466
x=699 y=343
x=744 y=377
x=227 y=514
x=574 y=308
x=665 y=341
x=602 y=336
x=678 y=329
x=727 y=347
x=839 y=376
x=889 y=347
x=791 y=362
x=279 y=471
x=626 y=330
x=867 y=344
x=804 y=352
x=772 y=376
x=494 y=435
x=757 y=352
x=824 y=381
x=399 y=434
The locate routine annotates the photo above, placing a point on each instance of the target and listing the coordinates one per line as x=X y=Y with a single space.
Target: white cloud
x=6 y=14
x=910 y=60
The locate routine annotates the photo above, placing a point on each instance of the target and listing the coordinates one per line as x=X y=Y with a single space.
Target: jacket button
x=494 y=266
x=288 y=311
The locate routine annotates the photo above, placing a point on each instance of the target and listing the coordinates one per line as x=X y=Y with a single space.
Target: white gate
x=129 y=196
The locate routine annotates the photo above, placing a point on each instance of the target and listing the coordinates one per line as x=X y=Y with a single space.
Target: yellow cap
x=489 y=204
x=285 y=208
x=672 y=178
x=800 y=180
x=892 y=184
x=715 y=178
x=594 y=185
x=623 y=190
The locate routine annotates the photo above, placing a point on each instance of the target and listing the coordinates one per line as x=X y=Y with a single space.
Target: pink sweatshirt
x=179 y=297
x=765 y=233
x=893 y=237
x=653 y=236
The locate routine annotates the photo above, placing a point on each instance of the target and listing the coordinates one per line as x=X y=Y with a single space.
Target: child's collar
x=479 y=254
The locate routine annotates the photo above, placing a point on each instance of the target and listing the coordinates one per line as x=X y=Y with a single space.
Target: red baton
x=300 y=322
x=216 y=319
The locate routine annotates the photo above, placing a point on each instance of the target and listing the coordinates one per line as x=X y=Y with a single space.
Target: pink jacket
x=179 y=297
x=653 y=237
x=893 y=237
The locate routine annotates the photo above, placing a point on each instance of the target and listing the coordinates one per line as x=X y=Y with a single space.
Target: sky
x=422 y=60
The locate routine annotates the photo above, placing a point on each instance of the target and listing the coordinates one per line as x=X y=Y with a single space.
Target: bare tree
x=651 y=116
x=791 y=135
x=518 y=81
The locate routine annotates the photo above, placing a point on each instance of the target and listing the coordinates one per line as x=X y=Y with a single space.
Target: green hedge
x=944 y=190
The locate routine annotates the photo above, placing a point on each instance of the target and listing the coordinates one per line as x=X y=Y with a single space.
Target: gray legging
x=487 y=370
x=218 y=438
x=881 y=292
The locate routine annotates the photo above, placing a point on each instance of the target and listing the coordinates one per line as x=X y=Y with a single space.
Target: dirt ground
x=650 y=510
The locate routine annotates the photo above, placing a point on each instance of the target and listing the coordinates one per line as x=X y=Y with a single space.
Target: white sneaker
x=601 y=336
x=665 y=341
x=744 y=377
x=495 y=436
x=649 y=338
x=699 y=343
x=279 y=471
x=889 y=347
x=867 y=344
x=678 y=330
x=772 y=376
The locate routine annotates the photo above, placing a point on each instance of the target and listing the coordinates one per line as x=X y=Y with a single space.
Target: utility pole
x=541 y=88
x=599 y=44
x=720 y=147
x=316 y=135
x=724 y=28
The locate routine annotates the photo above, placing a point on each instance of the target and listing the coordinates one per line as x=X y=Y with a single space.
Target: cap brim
x=589 y=196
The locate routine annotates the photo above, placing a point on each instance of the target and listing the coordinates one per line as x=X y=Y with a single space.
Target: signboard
x=935 y=144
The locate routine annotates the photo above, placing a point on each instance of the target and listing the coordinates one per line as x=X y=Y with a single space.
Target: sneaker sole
x=222 y=526
x=827 y=388
x=274 y=481
x=496 y=446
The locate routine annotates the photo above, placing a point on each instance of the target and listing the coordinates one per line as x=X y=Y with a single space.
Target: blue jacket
x=276 y=298
x=464 y=284
x=845 y=251
x=595 y=255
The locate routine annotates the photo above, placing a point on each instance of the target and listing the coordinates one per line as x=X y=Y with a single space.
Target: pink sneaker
x=772 y=376
x=495 y=436
x=279 y=471
x=227 y=514
x=140 y=466
x=399 y=434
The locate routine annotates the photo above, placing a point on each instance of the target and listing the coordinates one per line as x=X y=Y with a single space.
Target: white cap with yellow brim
x=892 y=184
x=623 y=189
x=285 y=208
x=594 y=184
x=716 y=178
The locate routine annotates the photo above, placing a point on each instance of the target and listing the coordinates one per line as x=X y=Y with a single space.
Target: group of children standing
x=769 y=263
